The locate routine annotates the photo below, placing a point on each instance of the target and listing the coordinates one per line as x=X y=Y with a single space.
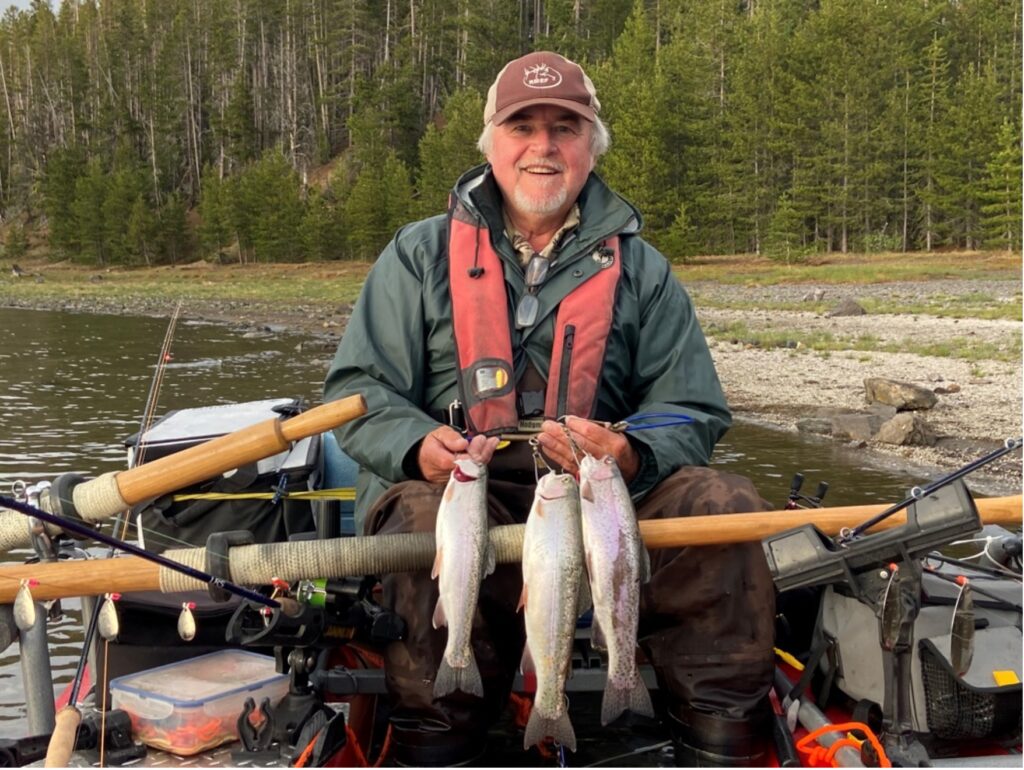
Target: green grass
x=941 y=306
x=852 y=268
x=825 y=343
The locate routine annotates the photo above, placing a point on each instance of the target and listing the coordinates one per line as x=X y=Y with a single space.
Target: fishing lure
x=108 y=623
x=25 y=605
x=187 y=622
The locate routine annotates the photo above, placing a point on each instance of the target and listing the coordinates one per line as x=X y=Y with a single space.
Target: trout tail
x=618 y=699
x=538 y=728
x=465 y=678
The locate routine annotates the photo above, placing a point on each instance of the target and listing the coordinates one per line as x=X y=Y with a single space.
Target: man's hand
x=441 y=446
x=592 y=438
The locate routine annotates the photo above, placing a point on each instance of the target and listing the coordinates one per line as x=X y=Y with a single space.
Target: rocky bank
x=978 y=402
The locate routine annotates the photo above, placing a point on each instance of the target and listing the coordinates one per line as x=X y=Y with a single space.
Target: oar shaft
x=213 y=457
x=63 y=579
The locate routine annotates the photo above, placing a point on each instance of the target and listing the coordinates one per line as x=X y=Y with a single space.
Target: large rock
x=846 y=307
x=906 y=430
x=902 y=395
x=856 y=426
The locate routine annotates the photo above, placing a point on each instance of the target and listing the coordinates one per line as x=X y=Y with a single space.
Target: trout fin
x=490 y=559
x=586 y=492
x=645 y=564
x=437 y=565
x=584 y=599
x=467 y=679
x=526 y=665
x=522 y=599
x=617 y=700
x=597 y=639
x=439 y=618
x=538 y=728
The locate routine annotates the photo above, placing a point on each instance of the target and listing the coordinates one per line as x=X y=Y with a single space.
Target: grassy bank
x=339 y=282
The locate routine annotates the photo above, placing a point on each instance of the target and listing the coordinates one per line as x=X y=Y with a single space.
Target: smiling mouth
x=542 y=170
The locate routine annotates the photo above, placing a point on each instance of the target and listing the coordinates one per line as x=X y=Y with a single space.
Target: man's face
x=541 y=159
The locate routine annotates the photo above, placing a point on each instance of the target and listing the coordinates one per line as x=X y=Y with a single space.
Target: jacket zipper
x=563 y=368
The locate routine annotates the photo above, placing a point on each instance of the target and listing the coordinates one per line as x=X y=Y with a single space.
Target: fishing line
x=113 y=542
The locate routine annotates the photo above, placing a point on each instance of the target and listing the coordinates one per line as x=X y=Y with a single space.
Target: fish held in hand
x=464 y=557
x=552 y=600
x=617 y=564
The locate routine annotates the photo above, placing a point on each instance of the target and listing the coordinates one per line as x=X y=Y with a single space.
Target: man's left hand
x=592 y=438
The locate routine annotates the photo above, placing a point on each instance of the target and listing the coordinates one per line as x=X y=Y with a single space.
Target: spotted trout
x=552 y=600
x=464 y=557
x=617 y=564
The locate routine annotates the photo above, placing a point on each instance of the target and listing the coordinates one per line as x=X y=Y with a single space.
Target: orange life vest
x=483 y=339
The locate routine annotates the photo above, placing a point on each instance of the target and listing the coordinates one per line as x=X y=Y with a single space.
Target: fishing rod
x=918 y=493
x=85 y=531
x=122 y=523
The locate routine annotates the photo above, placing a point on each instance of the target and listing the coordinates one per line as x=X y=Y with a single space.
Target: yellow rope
x=789 y=659
x=342 y=493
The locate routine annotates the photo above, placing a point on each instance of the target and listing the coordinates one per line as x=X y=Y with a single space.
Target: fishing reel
x=321 y=613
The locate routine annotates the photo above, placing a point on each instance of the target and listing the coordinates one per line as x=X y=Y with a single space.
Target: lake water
x=74 y=386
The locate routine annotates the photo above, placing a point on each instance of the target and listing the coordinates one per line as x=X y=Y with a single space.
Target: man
x=535 y=298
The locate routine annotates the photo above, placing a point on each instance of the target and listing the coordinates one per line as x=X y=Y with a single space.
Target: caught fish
x=25 y=606
x=464 y=557
x=552 y=600
x=617 y=563
x=187 y=622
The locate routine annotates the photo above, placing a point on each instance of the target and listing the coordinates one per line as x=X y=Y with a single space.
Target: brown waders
x=706 y=626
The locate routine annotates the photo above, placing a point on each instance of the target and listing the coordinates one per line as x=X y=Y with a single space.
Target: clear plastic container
x=193 y=705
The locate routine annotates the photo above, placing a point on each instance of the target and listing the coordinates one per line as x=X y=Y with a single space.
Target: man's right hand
x=442 y=445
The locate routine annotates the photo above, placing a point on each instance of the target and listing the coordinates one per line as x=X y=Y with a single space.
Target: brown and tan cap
x=541 y=77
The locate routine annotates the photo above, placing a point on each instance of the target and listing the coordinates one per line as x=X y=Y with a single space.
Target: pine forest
x=139 y=132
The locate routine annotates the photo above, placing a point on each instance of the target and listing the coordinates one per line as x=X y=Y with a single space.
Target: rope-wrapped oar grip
x=377 y=555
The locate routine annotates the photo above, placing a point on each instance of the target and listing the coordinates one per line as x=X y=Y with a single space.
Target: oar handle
x=62 y=741
x=211 y=458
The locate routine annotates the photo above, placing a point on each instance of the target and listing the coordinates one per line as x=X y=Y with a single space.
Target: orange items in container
x=193 y=705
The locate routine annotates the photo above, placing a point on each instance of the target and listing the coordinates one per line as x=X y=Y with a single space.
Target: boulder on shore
x=846 y=307
x=902 y=395
x=906 y=429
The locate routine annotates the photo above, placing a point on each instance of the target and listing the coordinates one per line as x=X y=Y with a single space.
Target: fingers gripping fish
x=464 y=557
x=552 y=600
x=617 y=564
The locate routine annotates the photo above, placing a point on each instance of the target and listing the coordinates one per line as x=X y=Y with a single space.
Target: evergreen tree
x=447 y=149
x=783 y=242
x=379 y=203
x=270 y=188
x=141 y=232
x=171 y=232
x=87 y=209
x=215 y=229
x=63 y=169
x=322 y=233
x=1001 y=192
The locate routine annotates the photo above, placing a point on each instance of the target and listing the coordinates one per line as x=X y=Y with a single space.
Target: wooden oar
x=108 y=495
x=94 y=577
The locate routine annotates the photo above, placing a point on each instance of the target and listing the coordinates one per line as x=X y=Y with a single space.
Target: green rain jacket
x=398 y=349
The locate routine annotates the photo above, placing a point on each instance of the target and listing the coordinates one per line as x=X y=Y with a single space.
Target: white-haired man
x=535 y=298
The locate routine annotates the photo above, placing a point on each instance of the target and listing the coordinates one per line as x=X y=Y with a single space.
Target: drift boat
x=890 y=650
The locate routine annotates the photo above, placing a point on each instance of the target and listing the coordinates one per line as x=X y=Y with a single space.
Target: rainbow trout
x=617 y=564
x=552 y=600
x=464 y=557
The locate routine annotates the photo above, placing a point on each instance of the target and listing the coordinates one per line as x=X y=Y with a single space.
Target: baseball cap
x=541 y=77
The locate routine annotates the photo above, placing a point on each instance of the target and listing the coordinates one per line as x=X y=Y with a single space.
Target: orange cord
x=819 y=756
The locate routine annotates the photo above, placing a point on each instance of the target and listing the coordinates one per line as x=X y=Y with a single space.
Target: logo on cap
x=541 y=76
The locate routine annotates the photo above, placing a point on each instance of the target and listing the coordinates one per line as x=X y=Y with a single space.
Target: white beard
x=539 y=204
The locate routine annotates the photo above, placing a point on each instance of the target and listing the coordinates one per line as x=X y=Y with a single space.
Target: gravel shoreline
x=775 y=386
